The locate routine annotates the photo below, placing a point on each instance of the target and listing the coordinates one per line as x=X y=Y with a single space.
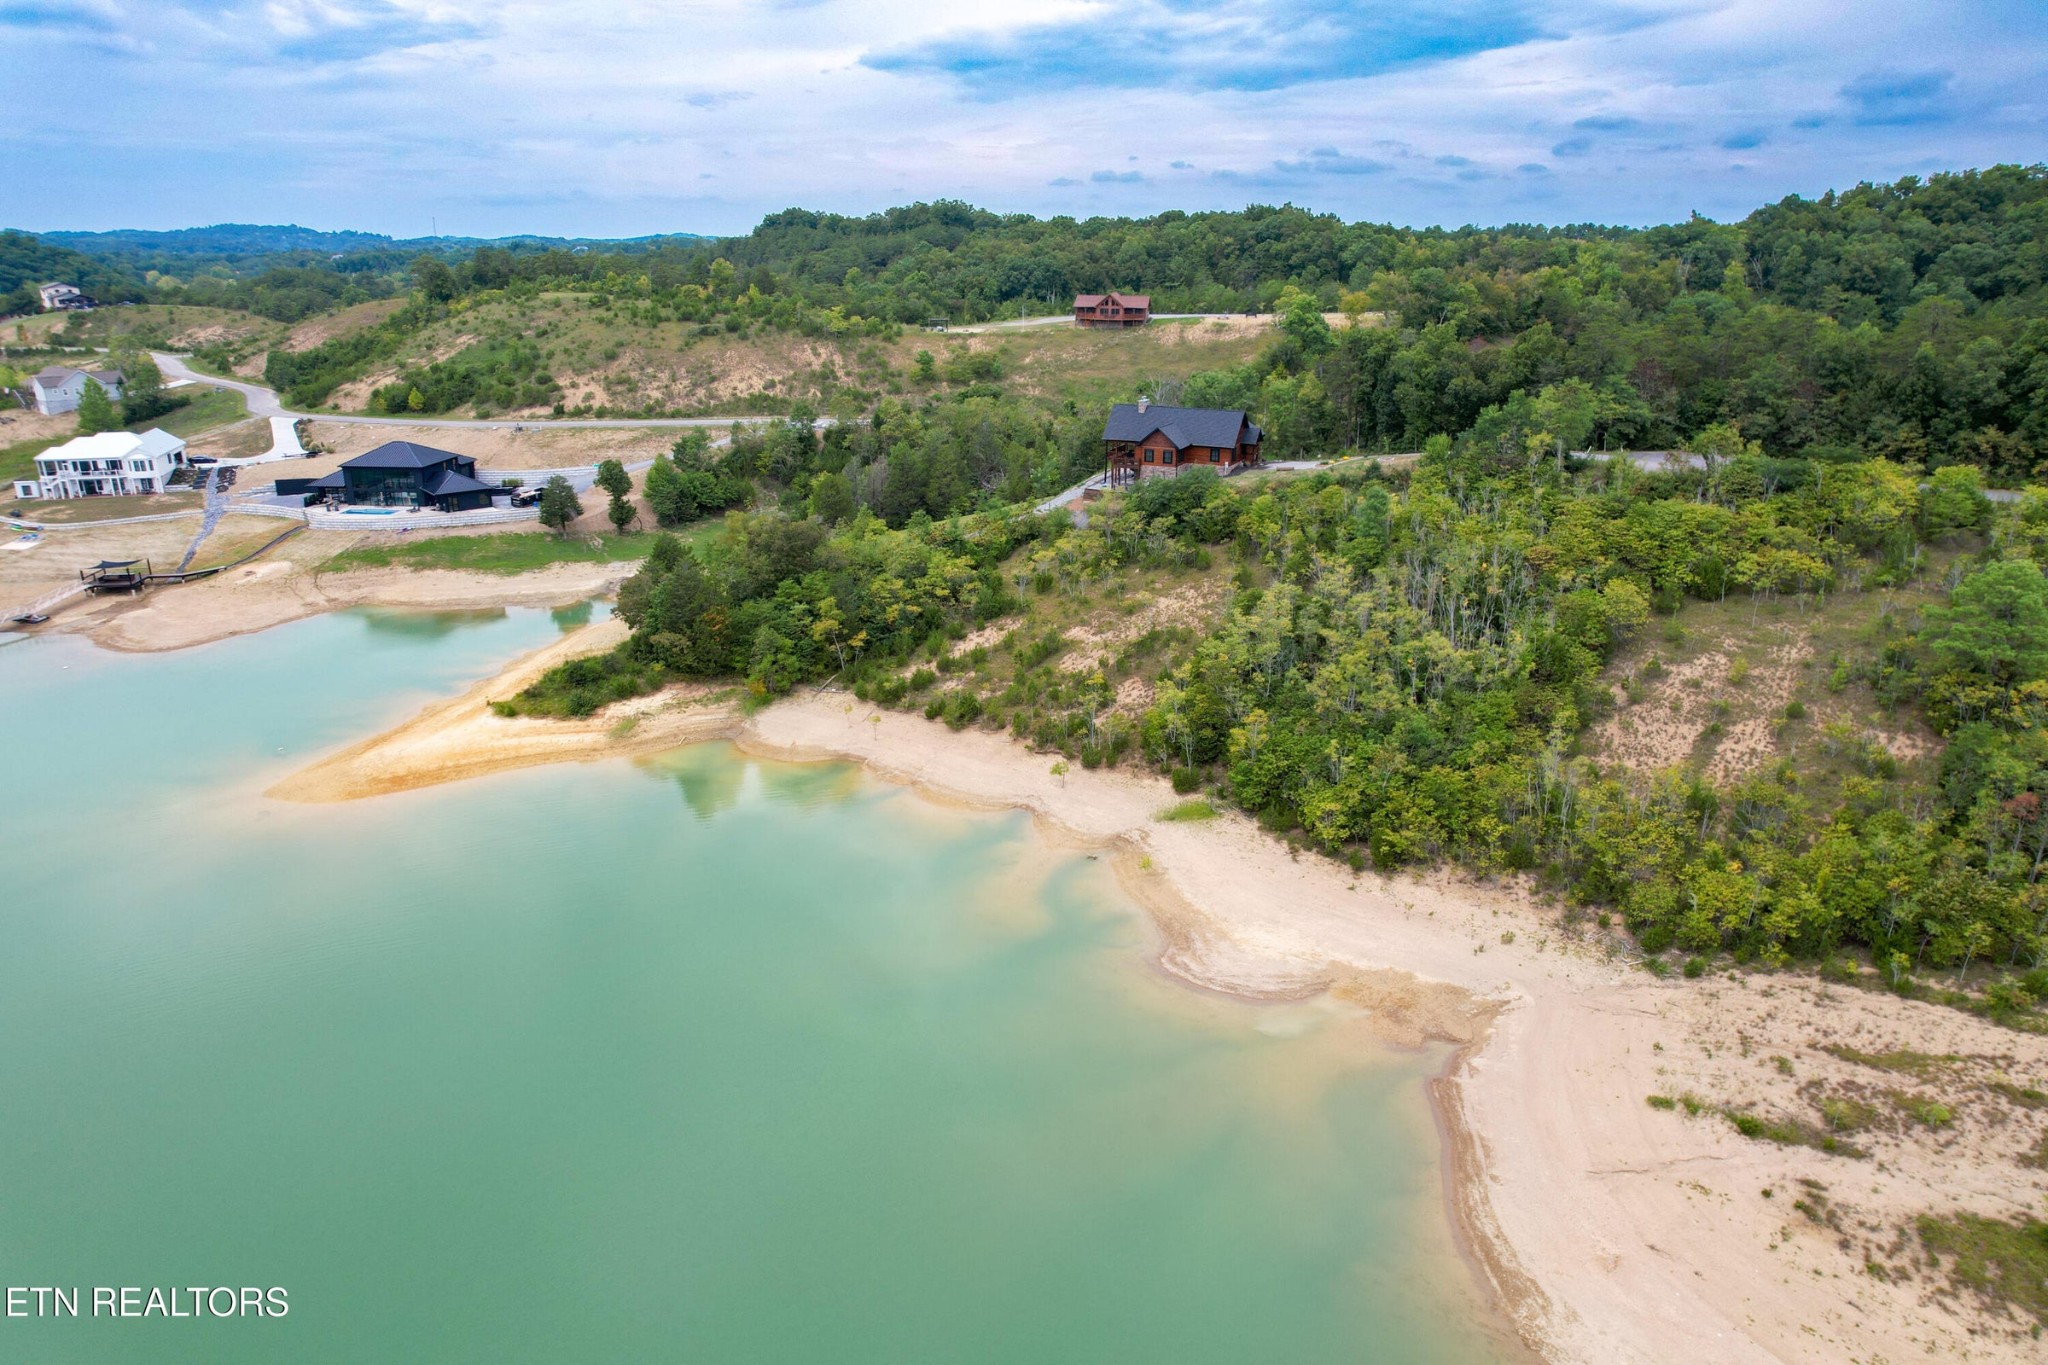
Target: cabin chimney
x=1143 y=402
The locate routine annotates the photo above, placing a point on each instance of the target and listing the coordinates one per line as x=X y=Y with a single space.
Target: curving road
x=265 y=403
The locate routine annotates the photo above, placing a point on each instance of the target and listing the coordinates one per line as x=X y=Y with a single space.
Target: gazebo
x=115 y=575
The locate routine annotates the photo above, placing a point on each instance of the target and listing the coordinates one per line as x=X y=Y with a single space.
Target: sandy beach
x=1605 y=1229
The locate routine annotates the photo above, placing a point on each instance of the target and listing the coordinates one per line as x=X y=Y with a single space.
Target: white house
x=59 y=296
x=112 y=462
x=58 y=389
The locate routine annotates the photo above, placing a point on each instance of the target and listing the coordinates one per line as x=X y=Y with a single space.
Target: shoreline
x=1601 y=1229
x=276 y=592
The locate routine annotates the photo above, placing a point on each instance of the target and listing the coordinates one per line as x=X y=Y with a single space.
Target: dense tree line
x=1404 y=672
x=27 y=263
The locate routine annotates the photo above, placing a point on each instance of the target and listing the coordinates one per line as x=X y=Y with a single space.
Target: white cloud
x=636 y=116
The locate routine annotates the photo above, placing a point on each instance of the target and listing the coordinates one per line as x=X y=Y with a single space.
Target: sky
x=496 y=117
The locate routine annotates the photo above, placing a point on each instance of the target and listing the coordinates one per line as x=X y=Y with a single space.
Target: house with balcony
x=1112 y=310
x=110 y=464
x=1146 y=439
x=58 y=297
x=58 y=389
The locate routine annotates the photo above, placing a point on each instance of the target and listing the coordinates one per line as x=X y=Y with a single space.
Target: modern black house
x=400 y=474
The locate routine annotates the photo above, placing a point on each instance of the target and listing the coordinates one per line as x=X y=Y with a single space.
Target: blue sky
x=636 y=116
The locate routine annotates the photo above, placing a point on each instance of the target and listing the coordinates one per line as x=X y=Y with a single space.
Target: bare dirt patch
x=536 y=447
x=310 y=333
x=1192 y=605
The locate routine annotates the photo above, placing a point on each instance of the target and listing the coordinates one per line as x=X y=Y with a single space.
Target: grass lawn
x=209 y=408
x=506 y=552
x=18 y=461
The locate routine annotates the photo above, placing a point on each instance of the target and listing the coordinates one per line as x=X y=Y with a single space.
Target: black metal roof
x=448 y=482
x=1183 y=426
x=401 y=455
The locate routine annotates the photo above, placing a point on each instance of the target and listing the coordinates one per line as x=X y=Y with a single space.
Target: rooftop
x=1183 y=426
x=115 y=445
x=401 y=455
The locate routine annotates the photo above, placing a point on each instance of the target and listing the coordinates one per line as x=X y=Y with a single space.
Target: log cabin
x=1145 y=440
x=1112 y=310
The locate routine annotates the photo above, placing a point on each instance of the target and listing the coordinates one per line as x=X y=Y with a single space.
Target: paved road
x=265 y=403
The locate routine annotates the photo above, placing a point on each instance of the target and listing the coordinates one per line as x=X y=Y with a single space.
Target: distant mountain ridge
x=252 y=239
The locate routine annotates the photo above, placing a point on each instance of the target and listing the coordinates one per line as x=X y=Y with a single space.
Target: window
x=1148 y=457
x=1166 y=457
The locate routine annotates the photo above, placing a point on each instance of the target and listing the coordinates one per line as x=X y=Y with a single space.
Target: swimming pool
x=369 y=511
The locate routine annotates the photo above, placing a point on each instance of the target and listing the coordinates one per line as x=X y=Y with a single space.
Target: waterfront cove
x=696 y=1056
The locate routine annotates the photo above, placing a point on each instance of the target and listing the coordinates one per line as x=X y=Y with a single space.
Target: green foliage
x=142 y=390
x=494 y=375
x=686 y=484
x=582 y=686
x=1196 y=809
x=96 y=411
x=502 y=552
x=558 y=504
x=2003 y=1262
x=613 y=478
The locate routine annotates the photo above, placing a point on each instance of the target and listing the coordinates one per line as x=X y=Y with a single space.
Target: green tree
x=831 y=498
x=142 y=390
x=1995 y=626
x=558 y=504
x=613 y=478
x=96 y=411
x=622 y=512
x=925 y=368
x=435 y=281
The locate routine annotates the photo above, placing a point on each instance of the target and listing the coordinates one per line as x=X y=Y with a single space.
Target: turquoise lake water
x=696 y=1059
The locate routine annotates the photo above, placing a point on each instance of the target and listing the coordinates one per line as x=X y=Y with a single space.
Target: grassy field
x=208 y=409
x=502 y=552
x=18 y=461
x=155 y=325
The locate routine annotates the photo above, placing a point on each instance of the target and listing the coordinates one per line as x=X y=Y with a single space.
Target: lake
x=699 y=1058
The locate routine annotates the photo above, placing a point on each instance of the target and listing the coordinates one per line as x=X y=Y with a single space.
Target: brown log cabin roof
x=1125 y=300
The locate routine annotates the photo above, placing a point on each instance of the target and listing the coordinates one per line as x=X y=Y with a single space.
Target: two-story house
x=401 y=474
x=58 y=389
x=108 y=464
x=1112 y=310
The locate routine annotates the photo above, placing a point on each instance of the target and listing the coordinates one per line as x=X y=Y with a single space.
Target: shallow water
x=697 y=1059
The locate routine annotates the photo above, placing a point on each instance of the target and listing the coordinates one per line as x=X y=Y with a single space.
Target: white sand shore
x=1607 y=1231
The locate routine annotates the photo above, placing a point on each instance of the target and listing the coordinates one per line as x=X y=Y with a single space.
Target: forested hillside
x=1397 y=669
